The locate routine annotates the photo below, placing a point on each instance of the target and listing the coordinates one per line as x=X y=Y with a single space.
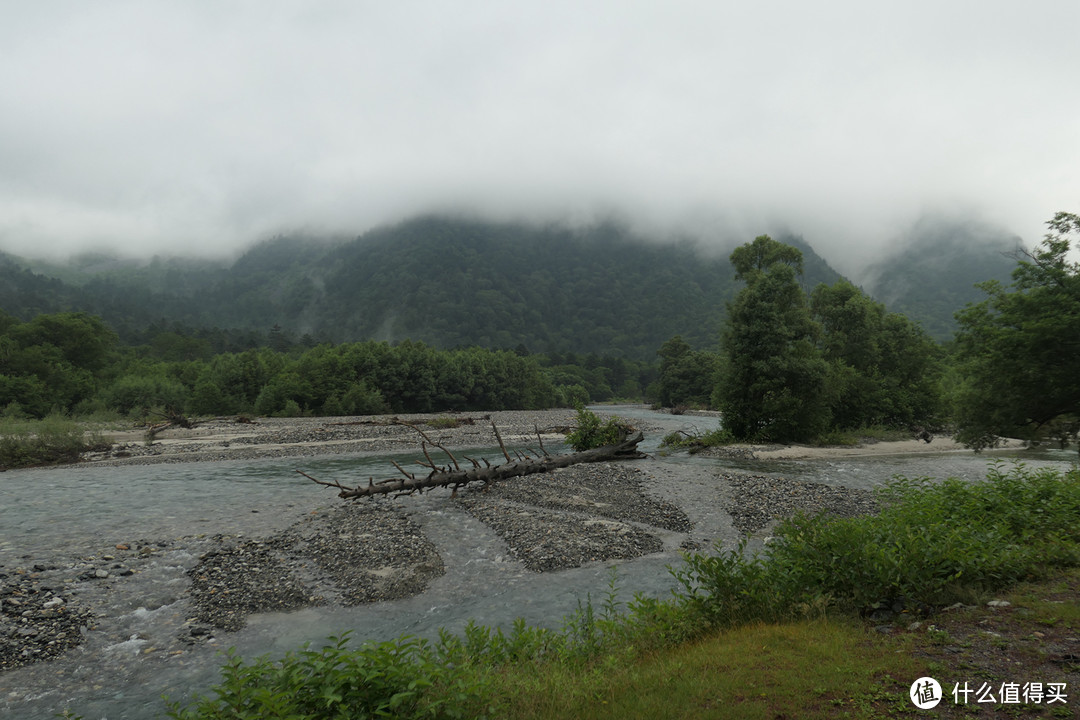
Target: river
x=131 y=658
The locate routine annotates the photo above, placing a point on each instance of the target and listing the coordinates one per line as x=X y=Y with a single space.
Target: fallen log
x=454 y=477
x=173 y=418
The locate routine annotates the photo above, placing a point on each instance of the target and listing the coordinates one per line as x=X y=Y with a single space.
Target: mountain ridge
x=446 y=281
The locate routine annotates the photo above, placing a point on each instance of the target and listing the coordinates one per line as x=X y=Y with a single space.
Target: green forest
x=74 y=364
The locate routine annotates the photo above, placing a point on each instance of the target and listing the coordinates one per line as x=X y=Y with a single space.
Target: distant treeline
x=73 y=363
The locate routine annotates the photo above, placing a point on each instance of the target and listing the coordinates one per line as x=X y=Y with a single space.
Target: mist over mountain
x=935 y=267
x=444 y=281
x=454 y=281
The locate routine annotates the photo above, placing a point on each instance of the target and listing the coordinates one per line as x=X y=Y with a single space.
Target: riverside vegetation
x=791 y=618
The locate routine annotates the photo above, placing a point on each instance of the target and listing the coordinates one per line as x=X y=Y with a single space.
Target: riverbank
x=240 y=438
x=140 y=604
x=869 y=449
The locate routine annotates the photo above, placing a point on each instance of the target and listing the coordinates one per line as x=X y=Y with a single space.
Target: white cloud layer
x=201 y=126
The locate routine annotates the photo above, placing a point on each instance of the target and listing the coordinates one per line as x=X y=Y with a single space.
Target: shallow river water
x=130 y=658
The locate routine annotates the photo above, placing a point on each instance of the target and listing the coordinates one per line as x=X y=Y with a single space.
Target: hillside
x=935 y=268
x=447 y=282
x=452 y=281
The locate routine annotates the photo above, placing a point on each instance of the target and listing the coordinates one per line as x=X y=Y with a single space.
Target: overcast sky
x=199 y=126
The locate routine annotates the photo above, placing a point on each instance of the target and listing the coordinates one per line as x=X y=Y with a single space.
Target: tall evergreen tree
x=772 y=384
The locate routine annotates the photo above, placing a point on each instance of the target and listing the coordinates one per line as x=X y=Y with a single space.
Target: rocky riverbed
x=371 y=551
x=156 y=599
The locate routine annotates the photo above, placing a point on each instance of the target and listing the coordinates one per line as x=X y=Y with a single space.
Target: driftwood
x=454 y=476
x=173 y=418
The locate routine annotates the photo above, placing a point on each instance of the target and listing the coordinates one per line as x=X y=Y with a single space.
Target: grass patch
x=680 y=440
x=1032 y=639
x=931 y=545
x=807 y=669
x=50 y=441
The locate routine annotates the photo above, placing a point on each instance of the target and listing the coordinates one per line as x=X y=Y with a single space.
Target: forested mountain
x=452 y=282
x=935 y=268
x=445 y=281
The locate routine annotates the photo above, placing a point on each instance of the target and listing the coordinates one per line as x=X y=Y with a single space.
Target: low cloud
x=197 y=128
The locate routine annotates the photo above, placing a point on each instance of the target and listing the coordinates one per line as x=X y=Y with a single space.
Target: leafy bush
x=592 y=433
x=400 y=679
x=932 y=544
x=679 y=440
x=52 y=440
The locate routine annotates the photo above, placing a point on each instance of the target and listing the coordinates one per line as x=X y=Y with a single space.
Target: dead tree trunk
x=173 y=418
x=453 y=476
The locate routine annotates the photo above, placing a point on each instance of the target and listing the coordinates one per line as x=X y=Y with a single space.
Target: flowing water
x=130 y=658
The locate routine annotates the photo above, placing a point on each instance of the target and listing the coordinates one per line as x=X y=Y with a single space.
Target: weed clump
x=932 y=544
x=591 y=432
x=53 y=440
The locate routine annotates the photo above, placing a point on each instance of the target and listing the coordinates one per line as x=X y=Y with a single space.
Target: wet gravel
x=577 y=515
x=350 y=554
x=757 y=502
x=230 y=583
x=45 y=607
x=370 y=551
x=543 y=540
x=609 y=490
x=39 y=618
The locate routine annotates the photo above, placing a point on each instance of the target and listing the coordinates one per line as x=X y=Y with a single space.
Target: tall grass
x=932 y=544
x=55 y=439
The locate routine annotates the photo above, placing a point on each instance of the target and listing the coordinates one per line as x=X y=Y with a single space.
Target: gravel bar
x=757 y=502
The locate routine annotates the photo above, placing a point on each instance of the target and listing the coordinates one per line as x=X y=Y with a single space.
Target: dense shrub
x=399 y=679
x=932 y=544
x=591 y=432
x=45 y=442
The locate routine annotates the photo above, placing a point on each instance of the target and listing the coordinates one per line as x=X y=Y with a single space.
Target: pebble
x=40 y=618
x=353 y=553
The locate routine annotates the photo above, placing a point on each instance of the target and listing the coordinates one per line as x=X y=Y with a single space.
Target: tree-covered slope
x=451 y=282
x=445 y=281
x=934 y=271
